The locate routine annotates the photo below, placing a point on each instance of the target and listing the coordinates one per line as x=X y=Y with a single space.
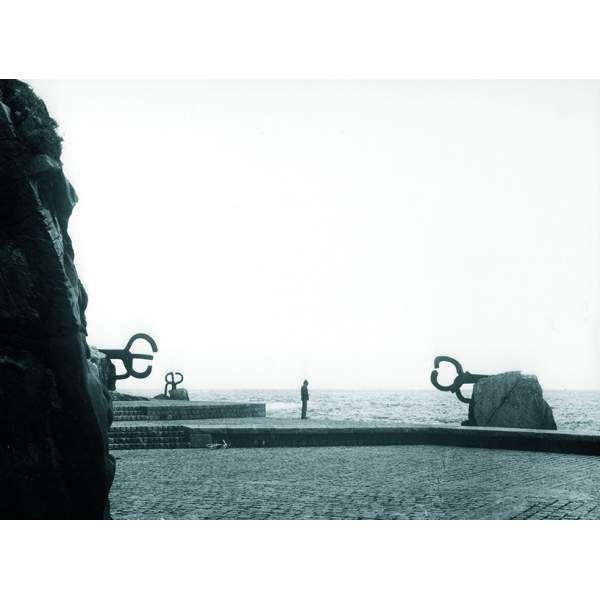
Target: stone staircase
x=147 y=424
x=165 y=436
x=129 y=413
x=185 y=411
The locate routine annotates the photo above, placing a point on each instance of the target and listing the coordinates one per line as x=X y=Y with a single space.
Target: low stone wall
x=475 y=437
x=198 y=436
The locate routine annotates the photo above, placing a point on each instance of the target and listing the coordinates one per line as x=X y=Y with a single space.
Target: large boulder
x=179 y=394
x=510 y=400
x=54 y=412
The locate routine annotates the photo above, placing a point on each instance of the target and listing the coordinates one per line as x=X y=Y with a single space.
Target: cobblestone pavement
x=391 y=482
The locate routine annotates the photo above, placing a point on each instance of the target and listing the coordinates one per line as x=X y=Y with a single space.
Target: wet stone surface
x=396 y=482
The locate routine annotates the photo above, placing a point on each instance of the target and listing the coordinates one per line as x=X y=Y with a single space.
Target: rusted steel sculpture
x=127 y=357
x=171 y=382
x=174 y=393
x=462 y=377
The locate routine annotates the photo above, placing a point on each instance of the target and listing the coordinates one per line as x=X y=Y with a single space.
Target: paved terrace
x=330 y=470
x=386 y=482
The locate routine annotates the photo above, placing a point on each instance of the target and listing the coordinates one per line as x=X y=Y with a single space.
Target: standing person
x=304 y=398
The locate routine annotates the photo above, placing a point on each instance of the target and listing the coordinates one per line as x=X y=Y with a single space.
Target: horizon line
x=343 y=389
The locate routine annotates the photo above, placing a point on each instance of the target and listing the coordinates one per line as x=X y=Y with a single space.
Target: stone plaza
x=390 y=482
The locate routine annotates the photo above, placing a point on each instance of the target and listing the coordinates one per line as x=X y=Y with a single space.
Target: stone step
x=149 y=445
x=137 y=437
x=148 y=436
x=129 y=413
x=126 y=439
x=157 y=436
x=147 y=429
x=147 y=439
x=188 y=411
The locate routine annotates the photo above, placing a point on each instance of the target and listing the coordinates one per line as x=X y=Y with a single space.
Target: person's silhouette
x=304 y=398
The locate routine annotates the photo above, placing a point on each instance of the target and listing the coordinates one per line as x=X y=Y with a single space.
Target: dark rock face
x=54 y=412
x=106 y=369
x=510 y=400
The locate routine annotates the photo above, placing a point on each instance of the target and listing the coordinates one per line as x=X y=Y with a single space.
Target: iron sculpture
x=462 y=377
x=127 y=357
x=171 y=382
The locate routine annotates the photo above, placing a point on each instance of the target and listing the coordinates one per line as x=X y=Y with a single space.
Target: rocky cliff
x=54 y=413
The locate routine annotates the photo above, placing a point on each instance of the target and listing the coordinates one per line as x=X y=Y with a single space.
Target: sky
x=347 y=232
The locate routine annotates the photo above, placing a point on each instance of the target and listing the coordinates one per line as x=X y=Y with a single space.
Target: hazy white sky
x=343 y=231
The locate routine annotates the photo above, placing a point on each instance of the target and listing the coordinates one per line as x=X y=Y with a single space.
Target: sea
x=573 y=410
